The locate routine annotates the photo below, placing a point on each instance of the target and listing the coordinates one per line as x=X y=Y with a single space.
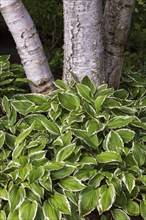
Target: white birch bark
x=83 y=46
x=116 y=24
x=28 y=44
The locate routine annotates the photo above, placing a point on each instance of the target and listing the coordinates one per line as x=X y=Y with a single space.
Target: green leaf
x=107 y=198
x=65 y=152
x=114 y=142
x=62 y=173
x=53 y=165
x=88 y=200
x=37 y=189
x=138 y=154
x=84 y=92
x=91 y=140
x=72 y=184
x=69 y=101
x=126 y=134
x=16 y=197
x=61 y=84
x=13 y=215
x=2 y=215
x=129 y=181
x=10 y=140
x=121 y=94
x=107 y=157
x=2 y=138
x=28 y=210
x=120 y=121
x=132 y=208
x=51 y=127
x=23 y=106
x=87 y=82
x=99 y=102
x=23 y=135
x=93 y=127
x=6 y=105
x=51 y=212
x=3 y=194
x=36 y=174
x=143 y=209
x=119 y=214
x=60 y=202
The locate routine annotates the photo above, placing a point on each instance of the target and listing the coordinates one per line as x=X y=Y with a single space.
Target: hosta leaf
x=87 y=159
x=121 y=94
x=84 y=92
x=87 y=82
x=93 y=126
x=119 y=214
x=23 y=135
x=121 y=199
x=69 y=101
x=3 y=194
x=51 y=127
x=96 y=180
x=36 y=174
x=107 y=198
x=143 y=209
x=126 y=134
x=6 y=105
x=37 y=189
x=18 y=150
x=65 y=152
x=119 y=121
x=13 y=215
x=38 y=99
x=73 y=197
x=60 y=202
x=88 y=200
x=2 y=138
x=99 y=102
x=129 y=181
x=23 y=107
x=72 y=184
x=28 y=210
x=132 y=208
x=47 y=184
x=62 y=173
x=60 y=84
x=16 y=197
x=2 y=215
x=138 y=154
x=40 y=213
x=114 y=142
x=53 y=165
x=85 y=173
x=87 y=138
x=107 y=157
x=51 y=212
x=10 y=140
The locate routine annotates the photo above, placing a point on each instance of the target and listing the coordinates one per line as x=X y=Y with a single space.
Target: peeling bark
x=116 y=23
x=83 y=46
x=28 y=44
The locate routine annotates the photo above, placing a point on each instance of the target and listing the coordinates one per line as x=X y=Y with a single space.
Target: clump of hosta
x=76 y=153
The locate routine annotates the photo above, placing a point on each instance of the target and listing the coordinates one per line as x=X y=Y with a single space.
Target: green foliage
x=12 y=78
x=135 y=54
x=75 y=153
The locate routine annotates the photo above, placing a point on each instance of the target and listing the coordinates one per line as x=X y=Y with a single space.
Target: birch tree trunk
x=116 y=24
x=94 y=39
x=28 y=44
x=83 y=45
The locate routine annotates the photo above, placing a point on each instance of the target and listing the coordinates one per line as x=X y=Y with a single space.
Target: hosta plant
x=78 y=153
